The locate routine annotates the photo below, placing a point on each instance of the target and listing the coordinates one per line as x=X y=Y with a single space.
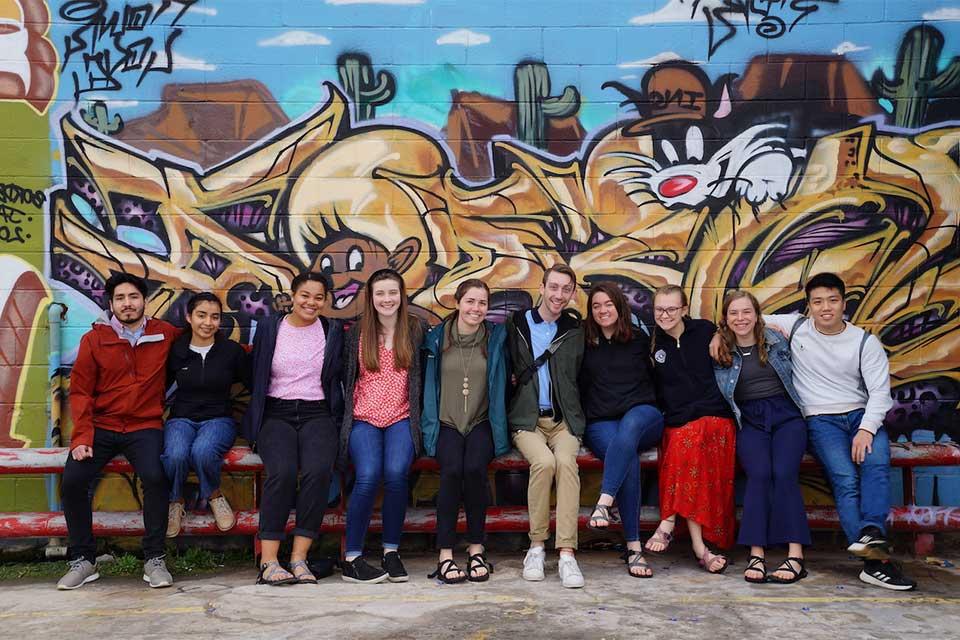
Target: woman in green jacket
x=464 y=422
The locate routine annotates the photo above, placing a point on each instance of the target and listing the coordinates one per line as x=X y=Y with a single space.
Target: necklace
x=745 y=353
x=465 y=365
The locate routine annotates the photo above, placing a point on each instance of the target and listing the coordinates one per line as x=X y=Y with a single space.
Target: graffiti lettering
x=687 y=100
x=770 y=19
x=15 y=194
x=12 y=219
x=137 y=40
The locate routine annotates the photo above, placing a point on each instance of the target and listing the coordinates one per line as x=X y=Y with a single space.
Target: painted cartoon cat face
x=755 y=166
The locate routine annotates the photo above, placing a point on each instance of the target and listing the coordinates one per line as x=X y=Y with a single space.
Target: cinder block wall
x=225 y=145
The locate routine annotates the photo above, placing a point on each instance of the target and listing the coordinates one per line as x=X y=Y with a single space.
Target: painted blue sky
x=435 y=46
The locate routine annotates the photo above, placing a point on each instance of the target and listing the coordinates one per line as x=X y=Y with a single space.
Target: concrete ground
x=681 y=601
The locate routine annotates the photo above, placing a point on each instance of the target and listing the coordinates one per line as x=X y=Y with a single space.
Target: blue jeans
x=862 y=495
x=619 y=444
x=200 y=445
x=378 y=454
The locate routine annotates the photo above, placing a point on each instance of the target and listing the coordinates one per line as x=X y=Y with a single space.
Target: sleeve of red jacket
x=83 y=380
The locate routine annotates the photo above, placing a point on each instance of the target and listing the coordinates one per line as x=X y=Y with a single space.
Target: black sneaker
x=871 y=544
x=394 y=568
x=887 y=575
x=359 y=571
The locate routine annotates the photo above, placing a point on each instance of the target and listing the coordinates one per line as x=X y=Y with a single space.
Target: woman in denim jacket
x=756 y=378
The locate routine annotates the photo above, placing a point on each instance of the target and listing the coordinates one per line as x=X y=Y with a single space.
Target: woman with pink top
x=381 y=422
x=296 y=402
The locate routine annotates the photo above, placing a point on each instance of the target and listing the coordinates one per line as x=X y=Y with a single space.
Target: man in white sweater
x=843 y=378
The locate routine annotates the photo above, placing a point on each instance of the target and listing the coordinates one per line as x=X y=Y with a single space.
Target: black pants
x=143 y=449
x=298 y=437
x=463 y=473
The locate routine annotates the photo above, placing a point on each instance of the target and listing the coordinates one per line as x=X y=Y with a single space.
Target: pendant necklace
x=465 y=366
x=745 y=353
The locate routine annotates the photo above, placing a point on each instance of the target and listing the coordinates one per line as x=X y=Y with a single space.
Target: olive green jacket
x=524 y=408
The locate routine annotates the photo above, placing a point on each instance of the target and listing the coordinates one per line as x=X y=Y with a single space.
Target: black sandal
x=604 y=512
x=756 y=563
x=444 y=569
x=478 y=561
x=269 y=569
x=787 y=565
x=304 y=577
x=634 y=560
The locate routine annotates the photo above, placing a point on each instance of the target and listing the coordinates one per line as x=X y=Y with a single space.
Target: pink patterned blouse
x=381 y=397
x=298 y=362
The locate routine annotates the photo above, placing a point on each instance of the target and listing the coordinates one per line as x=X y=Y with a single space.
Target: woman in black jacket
x=200 y=429
x=296 y=401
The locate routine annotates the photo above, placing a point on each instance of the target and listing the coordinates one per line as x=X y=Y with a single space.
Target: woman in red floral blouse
x=381 y=426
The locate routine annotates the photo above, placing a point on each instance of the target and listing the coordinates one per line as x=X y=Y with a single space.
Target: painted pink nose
x=677 y=186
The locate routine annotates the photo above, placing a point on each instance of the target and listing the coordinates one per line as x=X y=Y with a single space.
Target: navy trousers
x=769 y=447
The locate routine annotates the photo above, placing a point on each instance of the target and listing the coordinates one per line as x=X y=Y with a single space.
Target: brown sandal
x=660 y=537
x=708 y=558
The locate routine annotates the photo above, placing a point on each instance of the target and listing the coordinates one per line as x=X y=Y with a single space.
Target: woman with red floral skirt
x=699 y=443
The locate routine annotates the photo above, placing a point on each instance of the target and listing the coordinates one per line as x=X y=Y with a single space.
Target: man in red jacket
x=116 y=398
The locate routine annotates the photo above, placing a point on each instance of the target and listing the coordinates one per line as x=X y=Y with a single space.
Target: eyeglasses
x=666 y=311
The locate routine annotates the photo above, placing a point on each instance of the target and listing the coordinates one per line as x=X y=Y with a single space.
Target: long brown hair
x=623 y=330
x=462 y=288
x=665 y=290
x=729 y=339
x=405 y=335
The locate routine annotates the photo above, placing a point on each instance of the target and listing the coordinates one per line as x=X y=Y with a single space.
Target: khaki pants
x=552 y=451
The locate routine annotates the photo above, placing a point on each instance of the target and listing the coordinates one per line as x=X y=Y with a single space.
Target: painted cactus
x=917 y=79
x=98 y=118
x=535 y=105
x=367 y=90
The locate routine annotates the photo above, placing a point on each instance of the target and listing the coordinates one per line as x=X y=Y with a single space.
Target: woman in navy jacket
x=295 y=407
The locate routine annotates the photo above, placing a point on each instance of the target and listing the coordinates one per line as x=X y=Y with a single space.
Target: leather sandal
x=756 y=563
x=444 y=569
x=787 y=565
x=660 y=537
x=270 y=569
x=707 y=559
x=478 y=561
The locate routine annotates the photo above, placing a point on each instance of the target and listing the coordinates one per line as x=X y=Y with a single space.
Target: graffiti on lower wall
x=755 y=173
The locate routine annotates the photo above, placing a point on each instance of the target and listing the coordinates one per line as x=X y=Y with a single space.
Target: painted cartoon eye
x=355 y=259
x=670 y=151
x=326 y=265
x=694 y=143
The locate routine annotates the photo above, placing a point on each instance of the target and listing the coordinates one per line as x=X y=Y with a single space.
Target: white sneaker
x=533 y=564
x=570 y=576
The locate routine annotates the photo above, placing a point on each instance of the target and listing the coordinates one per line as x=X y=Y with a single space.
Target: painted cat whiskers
x=754 y=166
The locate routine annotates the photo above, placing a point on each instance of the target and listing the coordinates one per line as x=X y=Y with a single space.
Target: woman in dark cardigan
x=296 y=401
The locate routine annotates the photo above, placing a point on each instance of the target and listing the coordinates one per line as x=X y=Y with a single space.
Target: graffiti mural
x=202 y=162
